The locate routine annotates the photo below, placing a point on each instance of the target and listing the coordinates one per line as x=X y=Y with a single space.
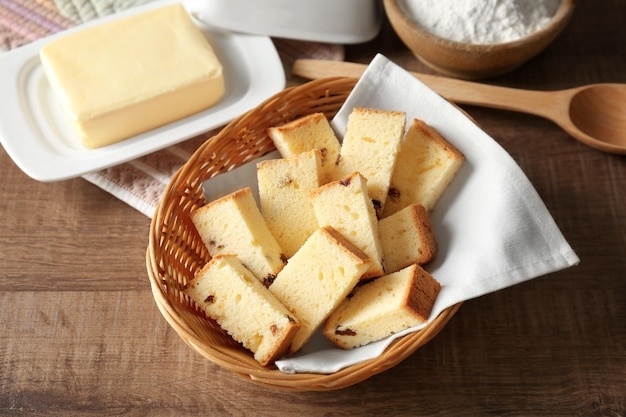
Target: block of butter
x=127 y=76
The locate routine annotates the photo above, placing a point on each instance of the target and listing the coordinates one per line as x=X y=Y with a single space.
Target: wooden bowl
x=175 y=250
x=473 y=61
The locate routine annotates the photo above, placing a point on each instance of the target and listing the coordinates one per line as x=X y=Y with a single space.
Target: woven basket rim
x=328 y=95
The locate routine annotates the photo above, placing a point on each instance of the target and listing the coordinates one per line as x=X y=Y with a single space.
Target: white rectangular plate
x=38 y=137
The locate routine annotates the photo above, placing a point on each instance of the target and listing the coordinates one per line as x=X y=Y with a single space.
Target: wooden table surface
x=81 y=335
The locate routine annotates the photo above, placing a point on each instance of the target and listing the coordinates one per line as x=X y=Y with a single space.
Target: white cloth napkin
x=492 y=228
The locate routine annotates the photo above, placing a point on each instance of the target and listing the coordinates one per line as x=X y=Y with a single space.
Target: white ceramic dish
x=332 y=21
x=38 y=137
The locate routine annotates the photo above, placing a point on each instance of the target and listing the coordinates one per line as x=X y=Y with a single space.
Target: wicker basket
x=176 y=251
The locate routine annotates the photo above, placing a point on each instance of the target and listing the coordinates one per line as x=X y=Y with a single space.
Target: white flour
x=481 y=21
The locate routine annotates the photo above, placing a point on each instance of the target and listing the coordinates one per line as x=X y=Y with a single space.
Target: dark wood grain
x=81 y=335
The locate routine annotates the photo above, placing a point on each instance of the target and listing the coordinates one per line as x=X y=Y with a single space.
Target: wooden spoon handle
x=545 y=104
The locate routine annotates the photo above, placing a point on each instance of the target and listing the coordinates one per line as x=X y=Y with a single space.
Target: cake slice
x=317 y=278
x=424 y=167
x=233 y=225
x=345 y=205
x=370 y=145
x=407 y=238
x=231 y=295
x=284 y=189
x=304 y=134
x=383 y=307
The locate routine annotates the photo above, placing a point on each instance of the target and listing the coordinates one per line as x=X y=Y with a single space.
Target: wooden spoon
x=594 y=114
